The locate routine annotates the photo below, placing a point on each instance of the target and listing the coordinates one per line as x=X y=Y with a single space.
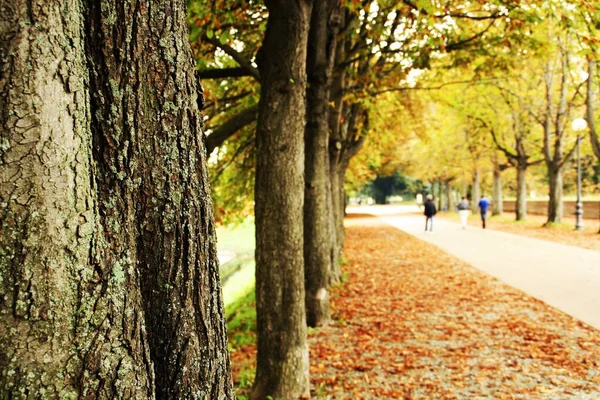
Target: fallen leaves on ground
x=415 y=323
x=412 y=322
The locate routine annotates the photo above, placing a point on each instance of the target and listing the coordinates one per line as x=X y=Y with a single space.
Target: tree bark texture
x=344 y=143
x=109 y=280
x=439 y=196
x=497 y=192
x=554 y=122
x=449 y=198
x=282 y=359
x=337 y=220
x=521 y=205
x=318 y=224
x=335 y=147
x=555 y=205
x=476 y=187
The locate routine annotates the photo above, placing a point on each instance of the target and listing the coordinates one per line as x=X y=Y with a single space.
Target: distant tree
x=512 y=129
x=554 y=114
x=385 y=186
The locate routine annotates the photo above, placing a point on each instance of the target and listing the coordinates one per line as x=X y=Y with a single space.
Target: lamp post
x=579 y=125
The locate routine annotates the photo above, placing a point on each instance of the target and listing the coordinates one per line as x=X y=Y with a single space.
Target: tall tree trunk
x=318 y=227
x=497 y=205
x=553 y=123
x=449 y=199
x=335 y=148
x=282 y=359
x=476 y=187
x=107 y=246
x=439 y=196
x=337 y=198
x=555 y=205
x=521 y=206
x=345 y=145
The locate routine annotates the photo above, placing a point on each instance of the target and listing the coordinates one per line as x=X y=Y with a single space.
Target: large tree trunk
x=521 y=206
x=110 y=282
x=282 y=360
x=555 y=205
x=318 y=234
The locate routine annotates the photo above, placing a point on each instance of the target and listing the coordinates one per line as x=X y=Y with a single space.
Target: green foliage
x=232 y=178
x=382 y=187
x=241 y=320
x=241 y=330
x=388 y=45
x=239 y=25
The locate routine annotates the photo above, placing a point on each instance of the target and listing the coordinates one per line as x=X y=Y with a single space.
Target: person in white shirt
x=464 y=211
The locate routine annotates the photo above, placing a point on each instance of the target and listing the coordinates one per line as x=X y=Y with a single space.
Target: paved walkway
x=565 y=277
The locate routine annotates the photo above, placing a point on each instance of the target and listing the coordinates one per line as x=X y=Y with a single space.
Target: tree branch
x=440 y=86
x=221 y=73
x=500 y=147
x=225 y=131
x=237 y=56
x=535 y=162
x=460 y=44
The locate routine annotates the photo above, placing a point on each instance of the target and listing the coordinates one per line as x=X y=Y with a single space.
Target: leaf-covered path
x=414 y=323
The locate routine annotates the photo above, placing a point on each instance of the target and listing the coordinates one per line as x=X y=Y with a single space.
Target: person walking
x=429 y=212
x=484 y=205
x=463 y=211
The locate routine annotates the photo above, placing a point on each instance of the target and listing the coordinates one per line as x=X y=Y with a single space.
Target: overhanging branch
x=225 y=131
x=237 y=56
x=221 y=73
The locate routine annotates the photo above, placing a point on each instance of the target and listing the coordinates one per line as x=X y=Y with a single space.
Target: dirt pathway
x=414 y=323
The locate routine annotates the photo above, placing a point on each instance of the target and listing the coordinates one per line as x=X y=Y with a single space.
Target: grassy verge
x=237 y=275
x=239 y=238
x=241 y=329
x=238 y=295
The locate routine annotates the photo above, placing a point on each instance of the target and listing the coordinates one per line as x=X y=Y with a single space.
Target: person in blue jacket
x=484 y=205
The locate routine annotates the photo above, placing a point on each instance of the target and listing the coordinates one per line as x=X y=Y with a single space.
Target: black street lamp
x=579 y=125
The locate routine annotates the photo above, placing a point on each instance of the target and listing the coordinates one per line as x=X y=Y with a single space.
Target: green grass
x=239 y=284
x=239 y=238
x=241 y=329
x=238 y=295
x=241 y=320
x=240 y=271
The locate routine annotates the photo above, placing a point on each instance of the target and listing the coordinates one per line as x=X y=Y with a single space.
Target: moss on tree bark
x=109 y=283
